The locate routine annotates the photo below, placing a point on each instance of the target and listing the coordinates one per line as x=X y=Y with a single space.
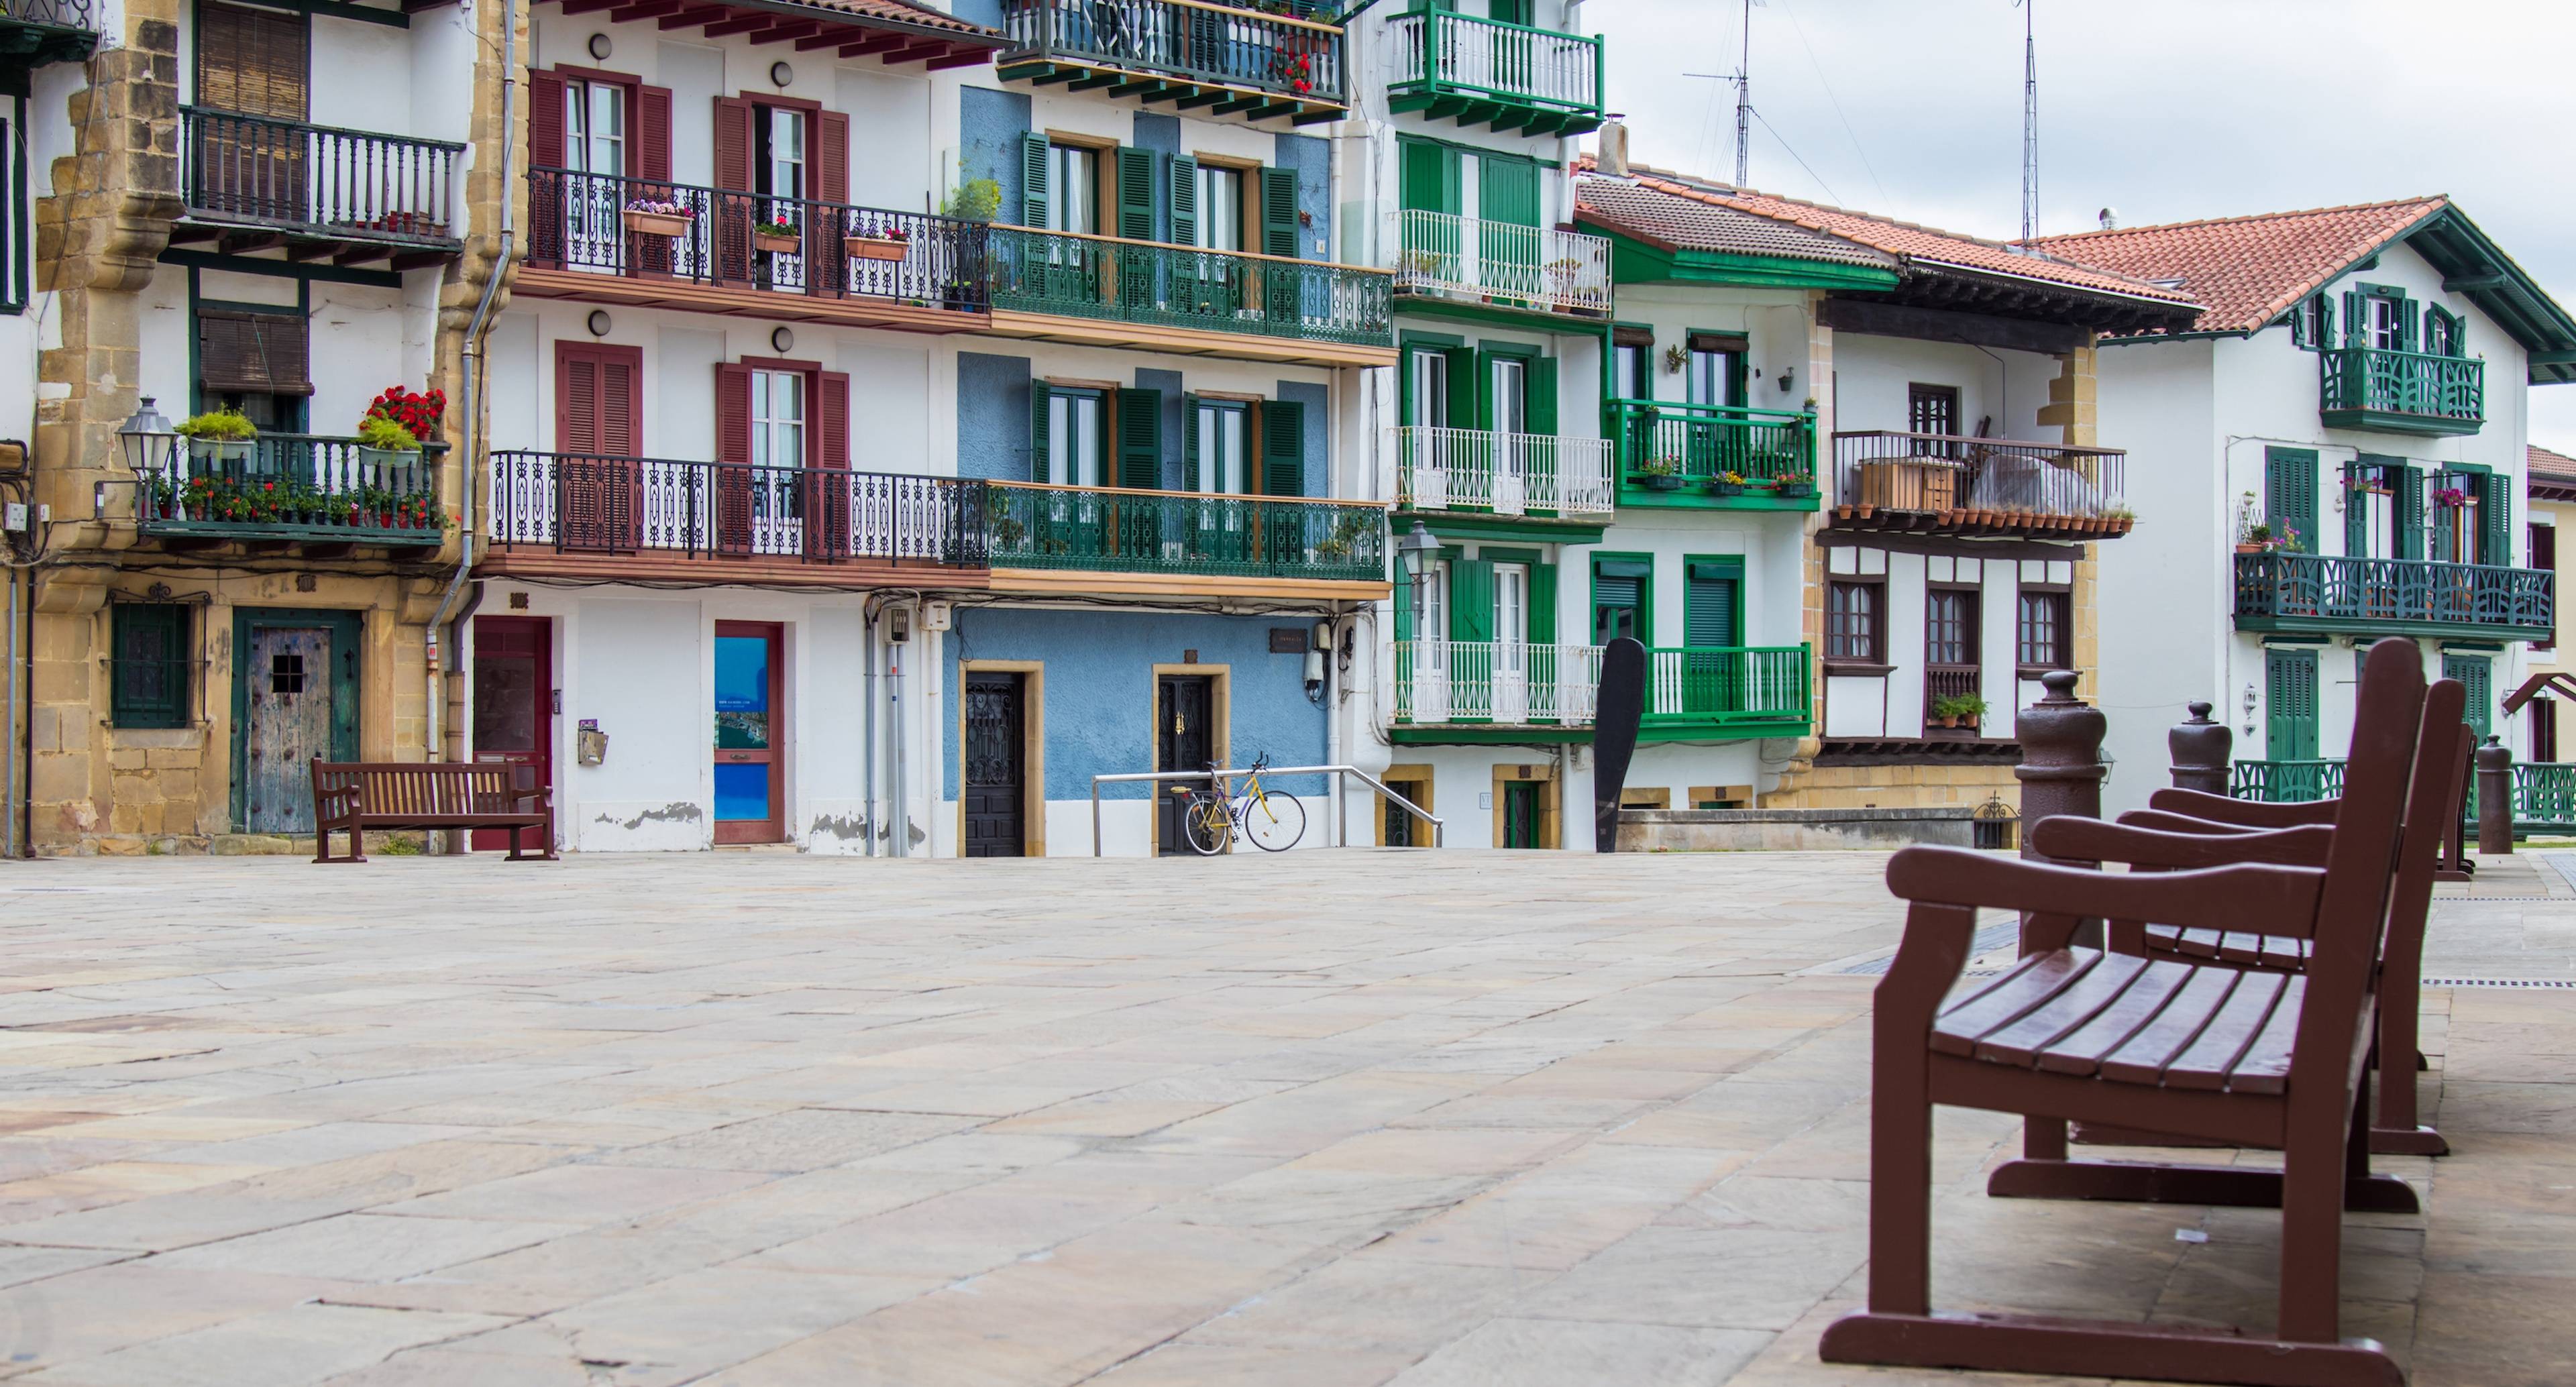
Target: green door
x=1507 y=238
x=1520 y=813
x=2290 y=703
x=1712 y=626
x=2476 y=674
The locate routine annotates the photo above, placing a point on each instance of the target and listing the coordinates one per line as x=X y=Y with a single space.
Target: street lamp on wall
x=138 y=433
x=1415 y=552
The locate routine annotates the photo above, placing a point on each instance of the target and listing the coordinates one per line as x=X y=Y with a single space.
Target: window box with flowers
x=218 y=435
x=1726 y=484
x=1792 y=485
x=1660 y=474
x=653 y=217
x=887 y=242
x=778 y=236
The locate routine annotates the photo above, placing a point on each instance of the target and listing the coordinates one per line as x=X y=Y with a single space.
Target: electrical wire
x=1821 y=80
x=1802 y=163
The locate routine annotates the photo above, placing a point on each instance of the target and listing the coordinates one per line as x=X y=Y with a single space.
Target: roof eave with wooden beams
x=1931 y=284
x=305 y=244
x=809 y=28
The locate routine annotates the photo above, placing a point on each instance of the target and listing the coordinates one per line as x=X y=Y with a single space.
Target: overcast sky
x=2167 y=110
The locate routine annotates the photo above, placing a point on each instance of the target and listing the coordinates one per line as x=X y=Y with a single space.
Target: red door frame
x=774 y=828
x=533 y=636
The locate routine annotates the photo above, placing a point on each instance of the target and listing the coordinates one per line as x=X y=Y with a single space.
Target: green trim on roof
x=1633 y=261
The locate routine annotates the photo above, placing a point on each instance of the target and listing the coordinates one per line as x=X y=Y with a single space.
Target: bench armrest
x=2245 y=813
x=2253 y=898
x=2091 y=840
x=2164 y=821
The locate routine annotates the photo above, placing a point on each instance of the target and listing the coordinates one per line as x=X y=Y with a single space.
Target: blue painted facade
x=989 y=126
x=1317 y=472
x=1175 y=442
x=1099 y=689
x=1312 y=158
x=985 y=12
x=993 y=417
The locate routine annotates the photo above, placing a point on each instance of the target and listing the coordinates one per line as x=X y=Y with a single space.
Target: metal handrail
x=1341 y=792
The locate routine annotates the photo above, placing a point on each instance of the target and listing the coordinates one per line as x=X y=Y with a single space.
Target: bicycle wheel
x=1205 y=826
x=1274 y=823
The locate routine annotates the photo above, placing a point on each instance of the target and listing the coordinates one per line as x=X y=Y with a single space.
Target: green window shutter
x=1279 y=212
x=1465 y=379
x=1542 y=604
x=1283 y=448
x=149 y=670
x=1712 y=606
x=1135 y=193
x=2325 y=323
x=2299 y=325
x=1185 y=200
x=1429 y=176
x=1140 y=438
x=1033 y=180
x=2476 y=674
x=2290 y=705
x=1190 y=443
x=1541 y=404
x=1471 y=600
x=1038 y=398
x=2495 y=505
x=2290 y=493
x=2356 y=323
x=2409 y=482
x=2410 y=333
x=1507 y=190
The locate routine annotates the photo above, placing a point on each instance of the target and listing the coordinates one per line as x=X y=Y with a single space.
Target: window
x=1510 y=395
x=1073 y=203
x=1715 y=374
x=2386 y=323
x=254 y=358
x=2312 y=323
x=2443 y=333
x=13 y=221
x=2544 y=728
x=1219 y=437
x=1511 y=604
x=595 y=128
x=782 y=151
x=2045 y=640
x=1620 y=589
x=2544 y=557
x=1632 y=371
x=1427 y=388
x=1932 y=409
x=1073 y=437
x=1855 y=622
x=1950 y=627
x=778 y=419
x=149 y=672
x=1220 y=220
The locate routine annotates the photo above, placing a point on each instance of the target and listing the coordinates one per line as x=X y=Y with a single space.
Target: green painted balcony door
x=1713 y=673
x=2290 y=705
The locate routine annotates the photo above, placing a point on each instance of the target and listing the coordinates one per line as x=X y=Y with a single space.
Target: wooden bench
x=2198 y=1050
x=354 y=796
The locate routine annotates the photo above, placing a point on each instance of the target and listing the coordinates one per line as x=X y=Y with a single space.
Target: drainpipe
x=470 y=358
x=868 y=779
x=12 y=762
x=900 y=800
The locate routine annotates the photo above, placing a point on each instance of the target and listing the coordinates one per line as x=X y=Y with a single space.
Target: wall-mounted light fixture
x=599 y=47
x=780 y=74
x=781 y=340
x=597 y=322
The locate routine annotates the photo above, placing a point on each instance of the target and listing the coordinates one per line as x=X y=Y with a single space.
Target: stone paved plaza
x=1441 y=1120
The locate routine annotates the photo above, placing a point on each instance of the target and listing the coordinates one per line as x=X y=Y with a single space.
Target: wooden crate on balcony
x=1908 y=484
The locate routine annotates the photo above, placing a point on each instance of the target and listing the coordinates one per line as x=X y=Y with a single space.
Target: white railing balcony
x=1469 y=258
x=1439 y=468
x=1495 y=681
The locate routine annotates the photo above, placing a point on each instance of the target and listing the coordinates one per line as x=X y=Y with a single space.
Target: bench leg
x=2089 y=1349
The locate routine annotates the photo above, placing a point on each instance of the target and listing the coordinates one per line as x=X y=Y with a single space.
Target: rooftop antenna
x=2029 y=123
x=1742 y=77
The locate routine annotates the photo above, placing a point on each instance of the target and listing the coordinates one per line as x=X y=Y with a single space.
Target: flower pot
x=219 y=449
x=1797 y=489
x=383 y=458
x=1949 y=721
x=2251 y=548
x=875 y=247
x=1722 y=487
x=1660 y=482
x=657 y=223
x=776 y=244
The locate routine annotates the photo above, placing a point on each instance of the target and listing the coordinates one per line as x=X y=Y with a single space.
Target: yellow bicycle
x=1213 y=816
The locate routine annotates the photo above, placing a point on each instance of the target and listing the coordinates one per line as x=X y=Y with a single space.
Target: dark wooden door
x=1520 y=814
x=1184 y=740
x=750 y=733
x=288 y=703
x=513 y=702
x=996 y=779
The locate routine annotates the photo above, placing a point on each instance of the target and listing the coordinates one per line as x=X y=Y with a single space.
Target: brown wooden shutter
x=545 y=120
x=600 y=500
x=621 y=417
x=733 y=143
x=266 y=353
x=649 y=153
x=832 y=410
x=832 y=156
x=576 y=401
x=733 y=413
x=253 y=62
x=828 y=529
x=733 y=214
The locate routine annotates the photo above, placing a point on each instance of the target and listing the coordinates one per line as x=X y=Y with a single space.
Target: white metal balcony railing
x=1495 y=681
x=1440 y=468
x=1447 y=254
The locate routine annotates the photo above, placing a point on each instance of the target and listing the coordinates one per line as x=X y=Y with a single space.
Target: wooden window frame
x=2533 y=545
x=172 y=709
x=1876 y=661
x=2064 y=599
x=1954 y=399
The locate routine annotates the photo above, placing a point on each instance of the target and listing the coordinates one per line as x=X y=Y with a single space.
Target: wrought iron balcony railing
x=1484 y=71
x=1883 y=477
x=1501 y=263
x=2404 y=392
x=316 y=179
x=613 y=225
x=1146 y=282
x=1513 y=682
x=1223 y=59
x=582 y=503
x=59 y=14
x=1114 y=530
x=1715 y=450
x=2278 y=591
x=288 y=486
x=1438 y=468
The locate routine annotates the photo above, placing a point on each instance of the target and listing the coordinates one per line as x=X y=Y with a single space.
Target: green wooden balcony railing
x=1226 y=60
x=2287 y=782
x=1677 y=452
x=287 y=486
x=1147 y=282
x=2401 y=392
x=2544 y=796
x=1485 y=72
x=1113 y=530
x=2331 y=594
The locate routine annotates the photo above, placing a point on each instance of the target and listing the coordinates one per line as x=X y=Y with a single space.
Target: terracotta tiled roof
x=1917 y=245
x=2248 y=270
x=906 y=13
x=2545 y=465
x=1660 y=218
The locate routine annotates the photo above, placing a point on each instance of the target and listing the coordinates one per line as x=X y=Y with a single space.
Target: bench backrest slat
x=423 y=789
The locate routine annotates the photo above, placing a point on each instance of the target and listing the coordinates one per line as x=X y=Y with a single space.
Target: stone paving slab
x=1349 y=1119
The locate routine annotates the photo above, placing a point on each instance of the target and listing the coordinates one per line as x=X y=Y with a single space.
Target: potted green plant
x=218 y=435
x=1958 y=710
x=2257 y=539
x=973 y=199
x=1660 y=473
x=1795 y=484
x=1727 y=484
x=383 y=443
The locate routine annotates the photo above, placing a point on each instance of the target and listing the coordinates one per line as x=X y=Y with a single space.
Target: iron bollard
x=2200 y=750
x=2495 y=799
x=2061 y=768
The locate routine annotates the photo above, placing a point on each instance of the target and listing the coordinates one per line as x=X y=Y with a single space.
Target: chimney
x=1612 y=157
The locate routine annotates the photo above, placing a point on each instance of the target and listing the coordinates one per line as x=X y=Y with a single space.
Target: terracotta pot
x=777 y=244
x=874 y=247
x=657 y=223
x=2250 y=548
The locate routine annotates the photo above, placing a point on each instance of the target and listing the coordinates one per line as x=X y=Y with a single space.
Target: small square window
x=2042 y=642
x=286 y=673
x=1854 y=629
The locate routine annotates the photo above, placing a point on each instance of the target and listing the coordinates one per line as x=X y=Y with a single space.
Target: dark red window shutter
x=733 y=144
x=545 y=120
x=576 y=401
x=832 y=415
x=651 y=147
x=832 y=156
x=621 y=422
x=733 y=413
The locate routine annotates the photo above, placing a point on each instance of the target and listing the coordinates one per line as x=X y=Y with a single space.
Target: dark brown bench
x=354 y=796
x=2157 y=1044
